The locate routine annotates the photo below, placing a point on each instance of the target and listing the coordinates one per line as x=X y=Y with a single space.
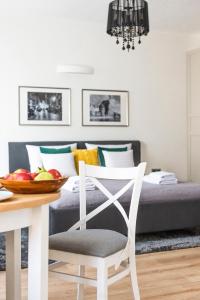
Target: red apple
x=33 y=175
x=11 y=176
x=55 y=173
x=22 y=176
x=21 y=171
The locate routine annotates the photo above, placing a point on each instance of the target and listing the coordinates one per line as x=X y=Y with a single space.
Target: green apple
x=40 y=170
x=44 y=176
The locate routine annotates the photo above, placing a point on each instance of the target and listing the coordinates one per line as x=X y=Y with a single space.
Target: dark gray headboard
x=18 y=157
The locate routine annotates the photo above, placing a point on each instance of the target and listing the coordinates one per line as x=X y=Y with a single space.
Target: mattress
x=161 y=207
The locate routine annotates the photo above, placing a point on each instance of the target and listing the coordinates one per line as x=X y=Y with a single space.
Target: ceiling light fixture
x=128 y=19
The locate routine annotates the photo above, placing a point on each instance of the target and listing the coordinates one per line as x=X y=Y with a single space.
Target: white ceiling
x=165 y=15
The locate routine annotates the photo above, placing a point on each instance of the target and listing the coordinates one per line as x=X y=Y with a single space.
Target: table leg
x=13 y=265
x=38 y=254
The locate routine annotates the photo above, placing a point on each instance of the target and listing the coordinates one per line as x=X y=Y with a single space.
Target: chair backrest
x=135 y=177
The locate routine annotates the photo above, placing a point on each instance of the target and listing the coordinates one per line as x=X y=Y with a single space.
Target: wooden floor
x=171 y=275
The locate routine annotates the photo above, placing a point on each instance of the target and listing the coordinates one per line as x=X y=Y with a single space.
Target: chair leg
x=80 y=287
x=102 y=278
x=134 y=280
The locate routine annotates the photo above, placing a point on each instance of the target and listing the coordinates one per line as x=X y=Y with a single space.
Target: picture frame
x=105 y=108
x=44 y=106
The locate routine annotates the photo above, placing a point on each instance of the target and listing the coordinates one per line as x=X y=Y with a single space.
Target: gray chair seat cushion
x=93 y=242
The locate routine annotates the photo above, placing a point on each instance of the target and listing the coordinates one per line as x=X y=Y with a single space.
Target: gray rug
x=166 y=241
x=145 y=243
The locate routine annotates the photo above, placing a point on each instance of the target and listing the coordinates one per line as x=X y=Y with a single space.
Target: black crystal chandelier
x=128 y=19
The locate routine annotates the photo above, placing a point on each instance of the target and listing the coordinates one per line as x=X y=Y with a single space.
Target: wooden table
x=27 y=211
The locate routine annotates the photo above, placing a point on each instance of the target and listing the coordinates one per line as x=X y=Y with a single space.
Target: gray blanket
x=151 y=193
x=161 y=207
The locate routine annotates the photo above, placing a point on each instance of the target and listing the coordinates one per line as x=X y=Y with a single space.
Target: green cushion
x=55 y=150
x=101 y=156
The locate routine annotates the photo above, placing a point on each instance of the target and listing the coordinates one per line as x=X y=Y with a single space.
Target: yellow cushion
x=90 y=157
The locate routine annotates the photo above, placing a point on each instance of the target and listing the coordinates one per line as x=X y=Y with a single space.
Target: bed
x=161 y=207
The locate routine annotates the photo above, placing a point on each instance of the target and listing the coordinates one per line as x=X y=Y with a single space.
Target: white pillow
x=34 y=156
x=64 y=163
x=93 y=146
x=119 y=159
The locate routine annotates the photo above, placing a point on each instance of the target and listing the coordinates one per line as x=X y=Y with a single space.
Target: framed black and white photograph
x=105 y=108
x=44 y=106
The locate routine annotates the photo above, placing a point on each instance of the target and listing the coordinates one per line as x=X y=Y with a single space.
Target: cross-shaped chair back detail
x=134 y=174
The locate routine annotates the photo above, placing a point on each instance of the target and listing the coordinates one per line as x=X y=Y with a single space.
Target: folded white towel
x=175 y=181
x=72 y=184
x=76 y=179
x=76 y=189
x=171 y=179
x=162 y=175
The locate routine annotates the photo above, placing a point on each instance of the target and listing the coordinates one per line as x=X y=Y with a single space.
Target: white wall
x=194 y=42
x=155 y=75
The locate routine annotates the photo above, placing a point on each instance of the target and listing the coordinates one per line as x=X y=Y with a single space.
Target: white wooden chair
x=98 y=248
